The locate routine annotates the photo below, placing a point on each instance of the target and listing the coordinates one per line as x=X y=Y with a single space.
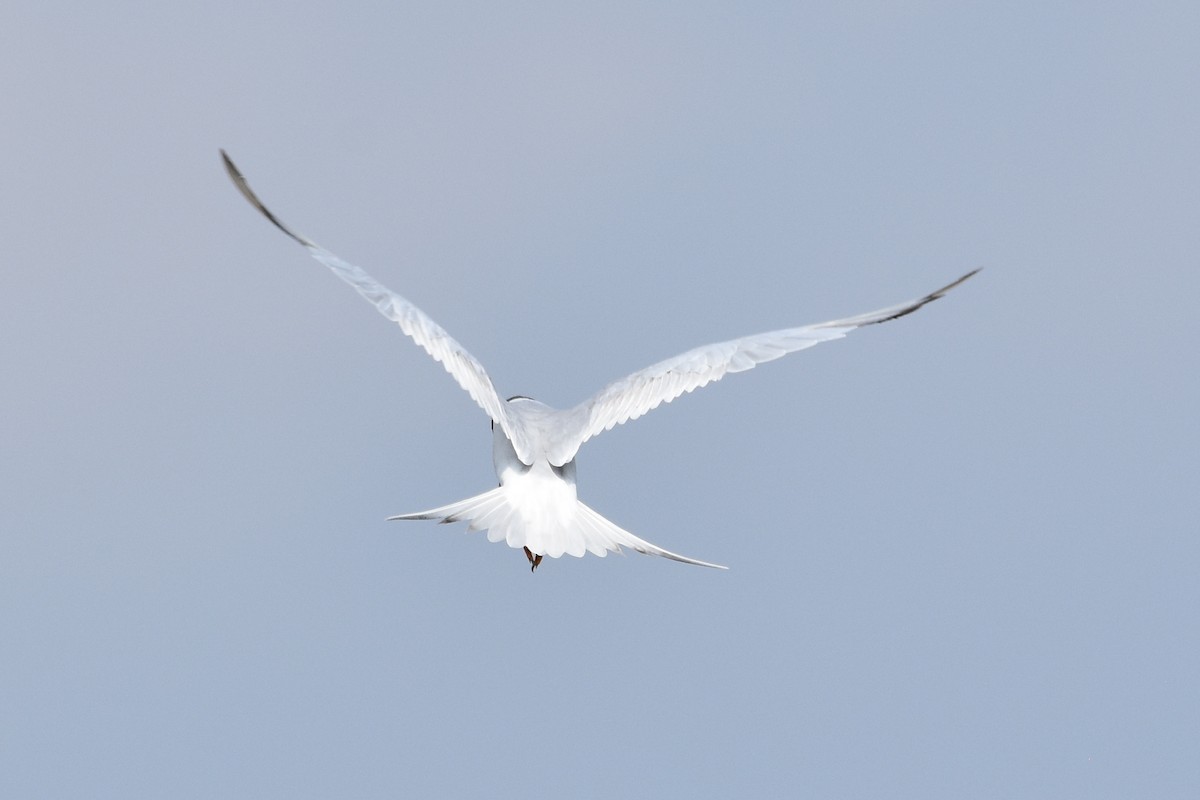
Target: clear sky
x=963 y=545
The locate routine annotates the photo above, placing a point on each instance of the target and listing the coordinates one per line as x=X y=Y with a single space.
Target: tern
x=536 y=506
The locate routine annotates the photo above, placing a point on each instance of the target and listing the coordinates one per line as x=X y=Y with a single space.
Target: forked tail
x=579 y=531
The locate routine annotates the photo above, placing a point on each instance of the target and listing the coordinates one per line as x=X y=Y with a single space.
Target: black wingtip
x=963 y=279
x=929 y=298
x=239 y=181
x=235 y=174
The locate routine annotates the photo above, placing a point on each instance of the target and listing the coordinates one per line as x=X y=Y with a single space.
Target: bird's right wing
x=461 y=365
x=634 y=395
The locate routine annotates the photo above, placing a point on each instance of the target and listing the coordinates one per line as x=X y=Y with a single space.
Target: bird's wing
x=634 y=395
x=463 y=366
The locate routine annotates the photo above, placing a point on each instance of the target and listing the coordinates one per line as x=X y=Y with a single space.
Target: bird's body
x=536 y=506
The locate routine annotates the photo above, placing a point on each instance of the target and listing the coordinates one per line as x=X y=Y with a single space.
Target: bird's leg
x=533 y=560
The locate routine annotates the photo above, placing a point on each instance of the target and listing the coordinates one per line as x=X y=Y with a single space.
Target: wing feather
x=418 y=326
x=636 y=394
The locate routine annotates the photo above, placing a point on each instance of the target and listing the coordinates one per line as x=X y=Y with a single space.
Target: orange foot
x=533 y=560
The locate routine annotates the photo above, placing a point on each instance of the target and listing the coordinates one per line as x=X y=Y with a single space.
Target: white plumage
x=534 y=446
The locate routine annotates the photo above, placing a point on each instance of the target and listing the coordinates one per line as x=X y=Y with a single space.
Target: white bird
x=536 y=506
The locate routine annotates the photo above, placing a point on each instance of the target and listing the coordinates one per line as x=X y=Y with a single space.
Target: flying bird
x=536 y=506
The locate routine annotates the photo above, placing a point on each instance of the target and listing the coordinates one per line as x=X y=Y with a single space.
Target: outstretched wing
x=634 y=395
x=464 y=368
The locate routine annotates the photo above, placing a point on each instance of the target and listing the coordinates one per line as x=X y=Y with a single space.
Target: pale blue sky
x=963 y=546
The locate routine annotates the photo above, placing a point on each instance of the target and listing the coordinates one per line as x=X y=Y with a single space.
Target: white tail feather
x=574 y=530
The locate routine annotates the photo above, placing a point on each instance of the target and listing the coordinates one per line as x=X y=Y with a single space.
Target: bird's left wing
x=461 y=365
x=634 y=395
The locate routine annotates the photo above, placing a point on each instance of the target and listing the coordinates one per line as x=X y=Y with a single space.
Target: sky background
x=963 y=545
